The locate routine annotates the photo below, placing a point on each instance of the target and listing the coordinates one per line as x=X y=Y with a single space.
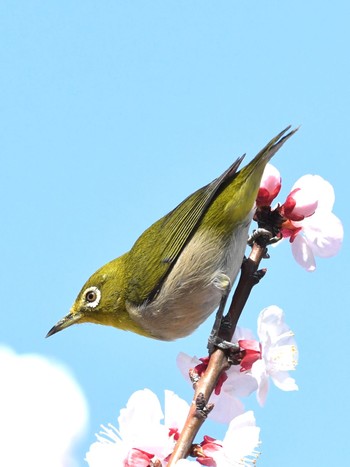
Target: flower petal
x=259 y=373
x=300 y=203
x=142 y=410
x=185 y=363
x=324 y=232
x=271 y=324
x=283 y=381
x=137 y=458
x=242 y=333
x=320 y=187
x=176 y=410
x=105 y=453
x=226 y=407
x=140 y=427
x=242 y=437
x=303 y=253
x=240 y=384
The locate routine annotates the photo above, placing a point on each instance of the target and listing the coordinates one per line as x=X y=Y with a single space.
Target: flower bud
x=269 y=187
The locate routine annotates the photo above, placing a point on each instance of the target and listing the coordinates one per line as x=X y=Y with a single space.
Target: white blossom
x=279 y=353
x=141 y=436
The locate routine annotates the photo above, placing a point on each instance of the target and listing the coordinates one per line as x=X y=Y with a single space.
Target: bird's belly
x=194 y=287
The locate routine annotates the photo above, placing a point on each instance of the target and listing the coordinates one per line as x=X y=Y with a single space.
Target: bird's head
x=101 y=300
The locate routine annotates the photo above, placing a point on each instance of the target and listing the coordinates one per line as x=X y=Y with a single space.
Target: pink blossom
x=237 y=447
x=273 y=356
x=234 y=385
x=319 y=233
x=306 y=216
x=300 y=203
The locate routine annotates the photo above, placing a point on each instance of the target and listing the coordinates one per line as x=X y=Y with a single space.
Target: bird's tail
x=263 y=157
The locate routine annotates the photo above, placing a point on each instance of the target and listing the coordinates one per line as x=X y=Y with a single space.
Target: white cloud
x=42 y=411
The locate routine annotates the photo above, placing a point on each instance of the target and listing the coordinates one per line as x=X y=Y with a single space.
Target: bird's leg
x=222 y=281
x=214 y=339
x=223 y=328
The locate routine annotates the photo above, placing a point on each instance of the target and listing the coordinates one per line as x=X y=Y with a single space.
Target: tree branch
x=218 y=362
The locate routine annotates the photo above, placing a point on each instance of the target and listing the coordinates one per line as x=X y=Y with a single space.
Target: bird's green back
x=220 y=205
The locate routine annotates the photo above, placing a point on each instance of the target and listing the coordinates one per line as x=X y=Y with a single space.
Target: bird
x=179 y=269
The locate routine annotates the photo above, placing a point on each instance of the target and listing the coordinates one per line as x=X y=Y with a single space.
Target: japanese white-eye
x=176 y=273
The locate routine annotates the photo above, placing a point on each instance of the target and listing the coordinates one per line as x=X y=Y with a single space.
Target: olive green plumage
x=177 y=271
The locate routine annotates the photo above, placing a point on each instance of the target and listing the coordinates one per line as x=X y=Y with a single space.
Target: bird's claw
x=231 y=349
x=264 y=237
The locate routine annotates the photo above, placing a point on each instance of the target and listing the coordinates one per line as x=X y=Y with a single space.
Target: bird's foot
x=258 y=234
x=263 y=236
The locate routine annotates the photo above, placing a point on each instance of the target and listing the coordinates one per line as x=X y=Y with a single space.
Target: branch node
x=258 y=275
x=194 y=377
x=202 y=408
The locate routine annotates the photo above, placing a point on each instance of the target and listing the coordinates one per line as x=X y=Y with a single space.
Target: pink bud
x=269 y=187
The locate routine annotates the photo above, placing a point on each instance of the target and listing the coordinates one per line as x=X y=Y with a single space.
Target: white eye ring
x=92 y=297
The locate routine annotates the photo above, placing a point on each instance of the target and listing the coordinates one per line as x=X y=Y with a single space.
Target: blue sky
x=111 y=113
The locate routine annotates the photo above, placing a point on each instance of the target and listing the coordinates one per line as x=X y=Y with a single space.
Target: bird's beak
x=68 y=320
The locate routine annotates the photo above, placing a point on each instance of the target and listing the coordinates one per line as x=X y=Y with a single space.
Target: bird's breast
x=192 y=290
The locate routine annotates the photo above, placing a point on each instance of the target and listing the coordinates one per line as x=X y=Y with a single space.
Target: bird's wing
x=158 y=248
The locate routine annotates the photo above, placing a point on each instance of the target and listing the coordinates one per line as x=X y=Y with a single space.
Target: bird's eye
x=92 y=297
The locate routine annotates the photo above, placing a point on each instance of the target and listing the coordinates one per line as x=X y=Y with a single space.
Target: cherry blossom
x=279 y=353
x=307 y=218
x=300 y=203
x=238 y=448
x=272 y=356
x=235 y=384
x=320 y=234
x=141 y=437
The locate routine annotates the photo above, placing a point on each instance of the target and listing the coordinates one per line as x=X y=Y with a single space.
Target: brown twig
x=218 y=362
